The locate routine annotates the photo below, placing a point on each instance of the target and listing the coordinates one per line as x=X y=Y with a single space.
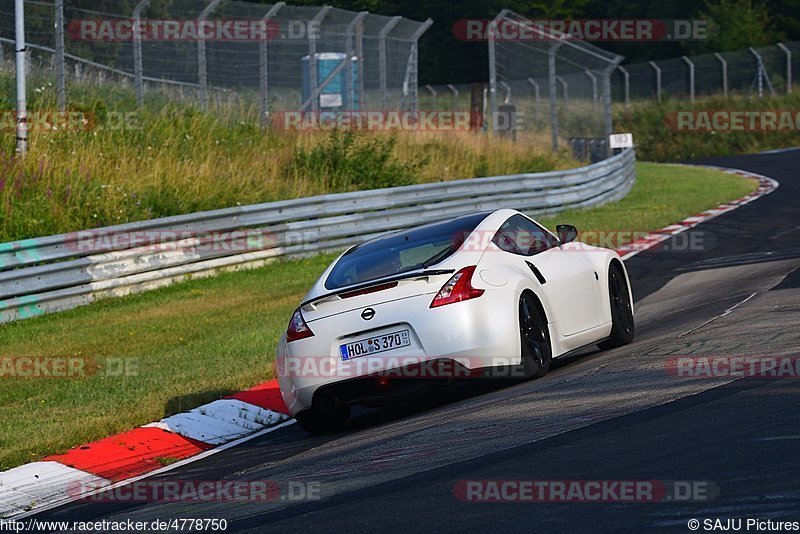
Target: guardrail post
x=594 y=87
x=61 y=84
x=202 y=72
x=382 y=68
x=263 y=64
x=627 y=85
x=724 y=65
x=691 y=77
x=536 y=112
x=658 y=79
x=138 y=68
x=788 y=67
x=316 y=22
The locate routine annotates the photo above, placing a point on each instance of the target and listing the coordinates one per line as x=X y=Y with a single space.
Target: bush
x=348 y=161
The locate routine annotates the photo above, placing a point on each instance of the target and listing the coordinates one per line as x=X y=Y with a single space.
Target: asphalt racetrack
x=619 y=415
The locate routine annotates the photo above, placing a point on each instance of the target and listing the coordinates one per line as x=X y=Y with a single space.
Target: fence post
x=761 y=73
x=691 y=77
x=565 y=87
x=724 y=65
x=627 y=85
x=431 y=90
x=492 y=77
x=788 y=67
x=507 y=89
x=202 y=72
x=608 y=124
x=382 y=68
x=658 y=79
x=455 y=93
x=359 y=44
x=552 y=88
x=536 y=114
x=351 y=31
x=594 y=87
x=263 y=64
x=61 y=84
x=138 y=68
x=22 y=104
x=409 y=85
x=312 y=56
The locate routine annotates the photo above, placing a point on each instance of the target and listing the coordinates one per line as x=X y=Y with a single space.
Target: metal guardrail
x=60 y=272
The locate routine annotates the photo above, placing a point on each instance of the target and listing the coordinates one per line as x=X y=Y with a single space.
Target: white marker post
x=22 y=113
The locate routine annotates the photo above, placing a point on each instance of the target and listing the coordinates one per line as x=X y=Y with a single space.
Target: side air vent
x=537 y=273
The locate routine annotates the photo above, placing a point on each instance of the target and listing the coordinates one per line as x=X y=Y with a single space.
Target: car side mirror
x=566 y=233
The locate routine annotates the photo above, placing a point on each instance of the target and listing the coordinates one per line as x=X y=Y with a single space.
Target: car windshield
x=402 y=252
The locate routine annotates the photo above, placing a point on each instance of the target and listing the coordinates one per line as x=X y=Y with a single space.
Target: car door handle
x=536 y=273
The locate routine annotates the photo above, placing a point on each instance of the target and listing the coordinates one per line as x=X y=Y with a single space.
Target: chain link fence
x=274 y=57
x=755 y=71
x=559 y=87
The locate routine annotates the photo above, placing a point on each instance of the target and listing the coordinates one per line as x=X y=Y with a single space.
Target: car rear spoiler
x=377 y=282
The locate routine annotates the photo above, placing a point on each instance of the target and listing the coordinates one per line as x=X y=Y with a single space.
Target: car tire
x=622 y=326
x=537 y=352
x=316 y=421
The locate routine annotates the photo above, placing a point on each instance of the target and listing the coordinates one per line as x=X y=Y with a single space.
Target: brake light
x=366 y=291
x=298 y=329
x=458 y=288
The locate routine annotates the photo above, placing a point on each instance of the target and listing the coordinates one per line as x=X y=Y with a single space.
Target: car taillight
x=298 y=329
x=458 y=288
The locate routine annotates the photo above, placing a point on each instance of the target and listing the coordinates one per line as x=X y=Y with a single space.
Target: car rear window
x=402 y=252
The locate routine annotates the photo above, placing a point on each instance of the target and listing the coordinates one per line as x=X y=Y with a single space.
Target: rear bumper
x=469 y=335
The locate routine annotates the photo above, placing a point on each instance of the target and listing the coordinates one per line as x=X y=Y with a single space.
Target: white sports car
x=416 y=307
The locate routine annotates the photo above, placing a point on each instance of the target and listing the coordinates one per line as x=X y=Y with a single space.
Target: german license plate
x=375 y=344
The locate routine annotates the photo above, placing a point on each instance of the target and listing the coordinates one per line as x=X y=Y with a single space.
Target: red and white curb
x=140 y=452
x=766 y=185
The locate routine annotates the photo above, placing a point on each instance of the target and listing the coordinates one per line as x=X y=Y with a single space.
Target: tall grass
x=656 y=142
x=174 y=158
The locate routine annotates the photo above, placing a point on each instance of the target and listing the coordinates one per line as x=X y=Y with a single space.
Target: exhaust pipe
x=329 y=401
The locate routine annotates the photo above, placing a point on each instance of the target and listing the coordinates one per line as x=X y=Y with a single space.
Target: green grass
x=194 y=342
x=664 y=194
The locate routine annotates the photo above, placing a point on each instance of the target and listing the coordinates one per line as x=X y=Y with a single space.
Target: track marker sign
x=621 y=140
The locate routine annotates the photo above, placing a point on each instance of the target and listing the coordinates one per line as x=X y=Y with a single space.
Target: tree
x=735 y=24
